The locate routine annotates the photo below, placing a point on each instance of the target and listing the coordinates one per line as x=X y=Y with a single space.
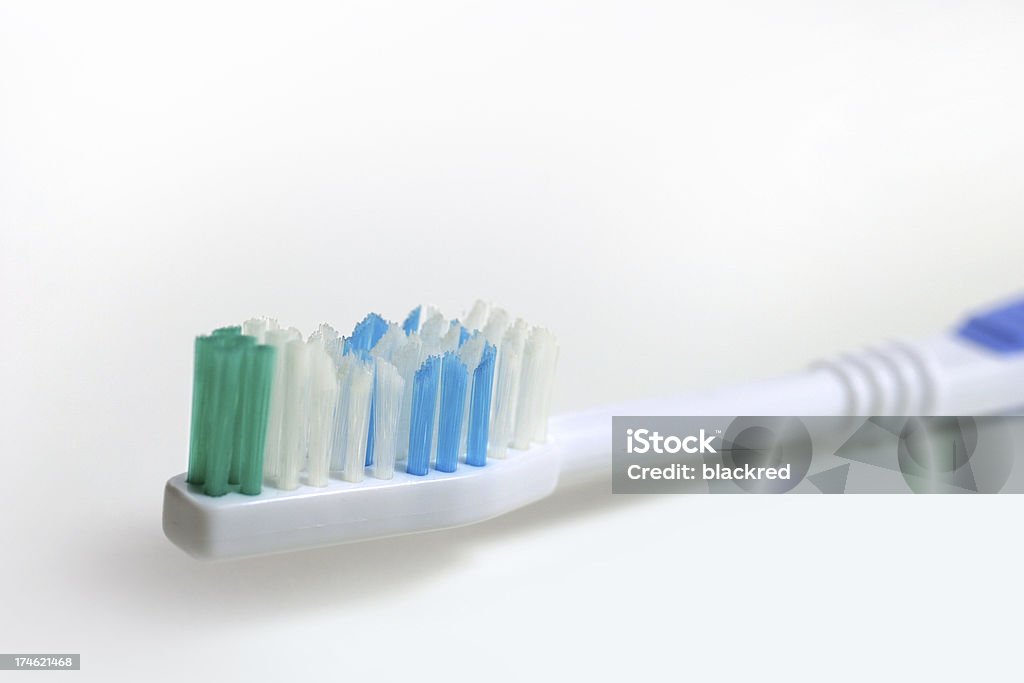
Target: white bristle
x=331 y=342
x=470 y=354
x=344 y=369
x=279 y=339
x=324 y=334
x=534 y=384
x=352 y=418
x=477 y=315
x=320 y=332
x=323 y=399
x=406 y=360
x=471 y=351
x=450 y=341
x=255 y=327
x=506 y=390
x=258 y=328
x=360 y=394
x=430 y=334
x=389 y=343
x=387 y=412
x=496 y=326
x=295 y=420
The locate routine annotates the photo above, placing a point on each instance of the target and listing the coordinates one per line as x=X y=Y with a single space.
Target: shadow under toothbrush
x=141 y=571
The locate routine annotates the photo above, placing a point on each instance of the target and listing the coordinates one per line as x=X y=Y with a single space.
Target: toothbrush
x=337 y=413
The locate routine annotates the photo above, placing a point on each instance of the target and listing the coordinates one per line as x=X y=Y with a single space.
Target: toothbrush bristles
x=388 y=391
x=450 y=411
x=270 y=408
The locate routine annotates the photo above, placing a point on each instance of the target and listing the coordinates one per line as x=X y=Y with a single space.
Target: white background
x=688 y=194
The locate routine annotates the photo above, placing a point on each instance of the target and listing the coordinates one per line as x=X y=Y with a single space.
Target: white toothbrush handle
x=585 y=438
x=949 y=374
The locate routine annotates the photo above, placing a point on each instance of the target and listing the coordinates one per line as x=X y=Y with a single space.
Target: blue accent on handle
x=1000 y=330
x=421 y=427
x=454 y=377
x=412 y=321
x=480 y=409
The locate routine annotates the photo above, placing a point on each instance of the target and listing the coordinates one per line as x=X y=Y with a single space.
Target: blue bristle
x=421 y=427
x=464 y=336
x=480 y=409
x=453 y=399
x=368 y=332
x=369 y=437
x=412 y=321
x=346 y=346
x=373 y=415
x=364 y=337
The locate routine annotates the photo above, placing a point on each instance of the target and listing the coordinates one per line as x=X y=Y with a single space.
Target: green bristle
x=238 y=452
x=256 y=404
x=201 y=385
x=230 y=400
x=228 y=351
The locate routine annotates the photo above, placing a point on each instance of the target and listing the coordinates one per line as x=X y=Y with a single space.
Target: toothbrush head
x=393 y=429
x=277 y=521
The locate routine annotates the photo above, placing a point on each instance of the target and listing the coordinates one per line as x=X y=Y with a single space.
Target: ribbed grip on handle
x=892 y=379
x=942 y=375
